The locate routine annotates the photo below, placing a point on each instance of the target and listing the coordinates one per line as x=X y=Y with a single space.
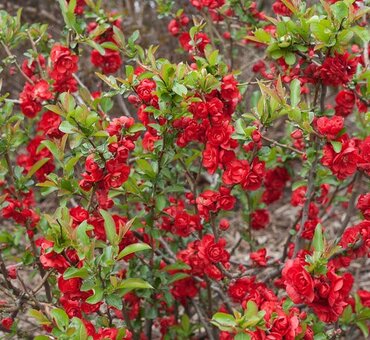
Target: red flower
x=201 y=40
x=50 y=259
x=118 y=173
x=298 y=196
x=210 y=158
x=78 y=214
x=211 y=251
x=106 y=333
x=299 y=283
x=345 y=100
x=284 y=326
x=338 y=70
x=259 y=257
x=145 y=90
x=364 y=162
x=229 y=89
x=69 y=286
x=259 y=219
x=236 y=172
x=224 y=224
x=343 y=163
x=279 y=8
x=49 y=125
x=226 y=201
x=363 y=204
x=41 y=91
x=365 y=297
x=7 y=323
x=330 y=127
x=110 y=62
x=254 y=179
x=185 y=288
x=64 y=62
x=239 y=288
x=331 y=295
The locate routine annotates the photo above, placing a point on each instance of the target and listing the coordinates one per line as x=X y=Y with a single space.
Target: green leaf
x=114 y=300
x=133 y=248
x=340 y=11
x=97 y=296
x=146 y=167
x=252 y=309
x=73 y=272
x=364 y=328
x=177 y=277
x=160 y=202
x=223 y=319
x=40 y=317
x=295 y=92
x=362 y=32
x=67 y=127
x=180 y=89
x=242 y=336
x=37 y=166
x=295 y=115
x=318 y=239
x=61 y=318
x=133 y=283
x=96 y=46
x=109 y=226
x=337 y=146
x=290 y=58
x=262 y=36
x=177 y=266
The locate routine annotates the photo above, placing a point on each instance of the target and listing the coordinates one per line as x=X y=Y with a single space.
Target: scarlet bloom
x=299 y=283
x=279 y=8
x=338 y=69
x=331 y=295
x=145 y=90
x=78 y=214
x=345 y=100
x=259 y=257
x=210 y=158
x=298 y=196
x=49 y=125
x=50 y=259
x=110 y=62
x=343 y=163
x=69 y=286
x=239 y=288
x=229 y=89
x=41 y=91
x=259 y=219
x=363 y=204
x=236 y=172
x=364 y=162
x=211 y=251
x=118 y=173
x=254 y=179
x=7 y=323
x=201 y=40
x=64 y=62
x=330 y=127
x=224 y=224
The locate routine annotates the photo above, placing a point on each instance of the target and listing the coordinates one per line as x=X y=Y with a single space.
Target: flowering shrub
x=152 y=204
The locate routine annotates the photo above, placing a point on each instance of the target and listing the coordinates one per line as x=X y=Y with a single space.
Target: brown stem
x=352 y=202
x=274 y=142
x=11 y=55
x=310 y=190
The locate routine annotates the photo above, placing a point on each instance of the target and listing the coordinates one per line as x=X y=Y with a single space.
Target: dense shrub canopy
x=215 y=190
